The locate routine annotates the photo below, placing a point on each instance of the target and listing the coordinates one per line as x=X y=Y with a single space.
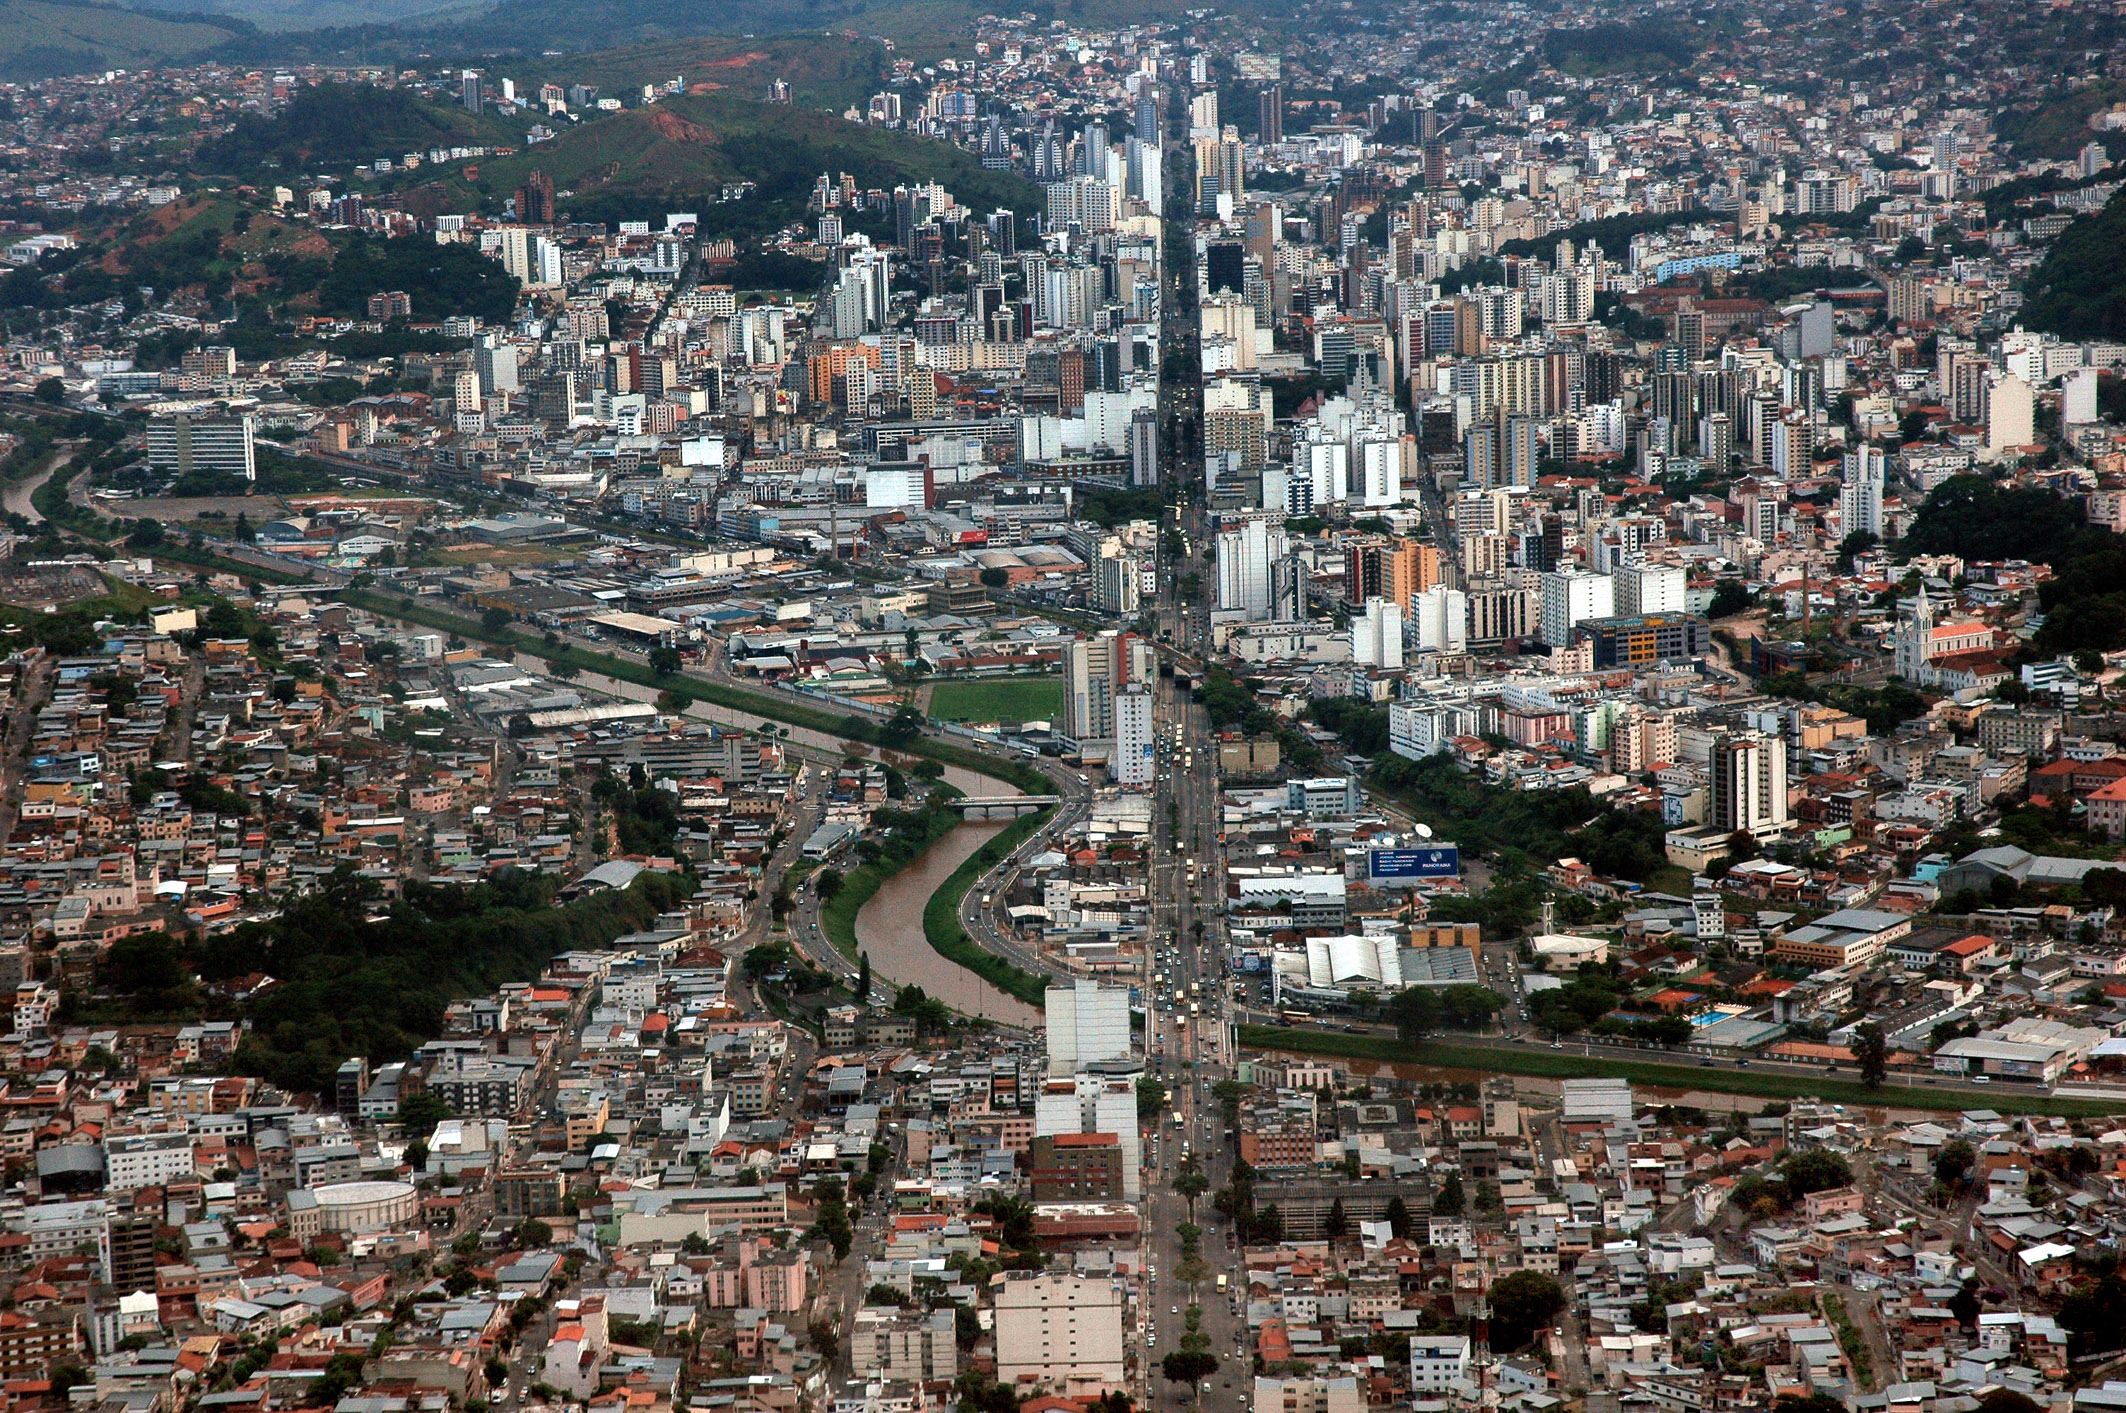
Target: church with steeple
x=1921 y=644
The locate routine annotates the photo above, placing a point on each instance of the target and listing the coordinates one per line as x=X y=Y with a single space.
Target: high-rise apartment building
x=1860 y=492
x=1135 y=759
x=1095 y=1103
x=1269 y=115
x=535 y=199
x=1245 y=557
x=1377 y=635
x=1650 y=588
x=1060 y=1329
x=1398 y=569
x=1570 y=595
x=1439 y=619
x=1095 y=670
x=1749 y=784
x=183 y=439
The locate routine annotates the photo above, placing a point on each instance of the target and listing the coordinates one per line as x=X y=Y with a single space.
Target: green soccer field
x=999 y=699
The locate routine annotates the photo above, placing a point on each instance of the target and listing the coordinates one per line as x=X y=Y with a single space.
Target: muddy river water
x=889 y=927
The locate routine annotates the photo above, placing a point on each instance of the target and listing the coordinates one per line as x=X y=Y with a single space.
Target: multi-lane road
x=1184 y=983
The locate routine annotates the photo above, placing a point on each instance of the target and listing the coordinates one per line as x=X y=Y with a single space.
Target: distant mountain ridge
x=48 y=38
x=42 y=39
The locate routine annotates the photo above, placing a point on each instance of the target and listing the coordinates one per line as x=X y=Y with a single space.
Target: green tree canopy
x=1522 y=1303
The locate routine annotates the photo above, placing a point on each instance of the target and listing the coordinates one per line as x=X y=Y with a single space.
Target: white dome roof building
x=352 y=1207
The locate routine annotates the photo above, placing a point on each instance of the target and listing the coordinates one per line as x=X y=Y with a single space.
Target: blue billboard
x=1413 y=865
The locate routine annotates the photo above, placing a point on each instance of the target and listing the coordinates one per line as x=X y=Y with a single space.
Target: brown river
x=889 y=928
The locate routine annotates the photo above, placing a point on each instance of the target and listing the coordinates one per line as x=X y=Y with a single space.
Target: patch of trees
x=1252 y=1225
x=2084 y=601
x=1544 y=825
x=645 y=818
x=832 y=1224
x=2094 y=1316
x=1974 y=518
x=150 y=970
x=441 y=279
x=1582 y=1003
x=1363 y=725
x=333 y=124
x=1422 y=1010
x=61 y=278
x=1768 y=1194
x=360 y=977
x=1232 y=704
x=1522 y=1304
x=1018 y=1247
x=1616 y=48
x=2079 y=292
x=1109 y=506
x=1881 y=707
x=1610 y=232
x=931 y=1016
x=905 y=833
x=773 y=269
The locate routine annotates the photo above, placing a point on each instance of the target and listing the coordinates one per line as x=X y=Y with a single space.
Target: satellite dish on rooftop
x=1424 y=831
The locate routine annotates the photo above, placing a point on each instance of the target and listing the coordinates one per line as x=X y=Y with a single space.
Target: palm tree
x=1191 y=1184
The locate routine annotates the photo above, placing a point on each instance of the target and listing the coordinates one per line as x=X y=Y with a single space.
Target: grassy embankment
x=941 y=917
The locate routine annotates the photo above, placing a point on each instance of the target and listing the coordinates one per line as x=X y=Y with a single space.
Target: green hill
x=2058 y=126
x=824 y=68
x=1618 y=49
x=2079 y=292
x=46 y=38
x=675 y=155
x=829 y=70
x=334 y=125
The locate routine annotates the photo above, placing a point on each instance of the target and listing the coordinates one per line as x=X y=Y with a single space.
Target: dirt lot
x=175 y=510
x=518 y=556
